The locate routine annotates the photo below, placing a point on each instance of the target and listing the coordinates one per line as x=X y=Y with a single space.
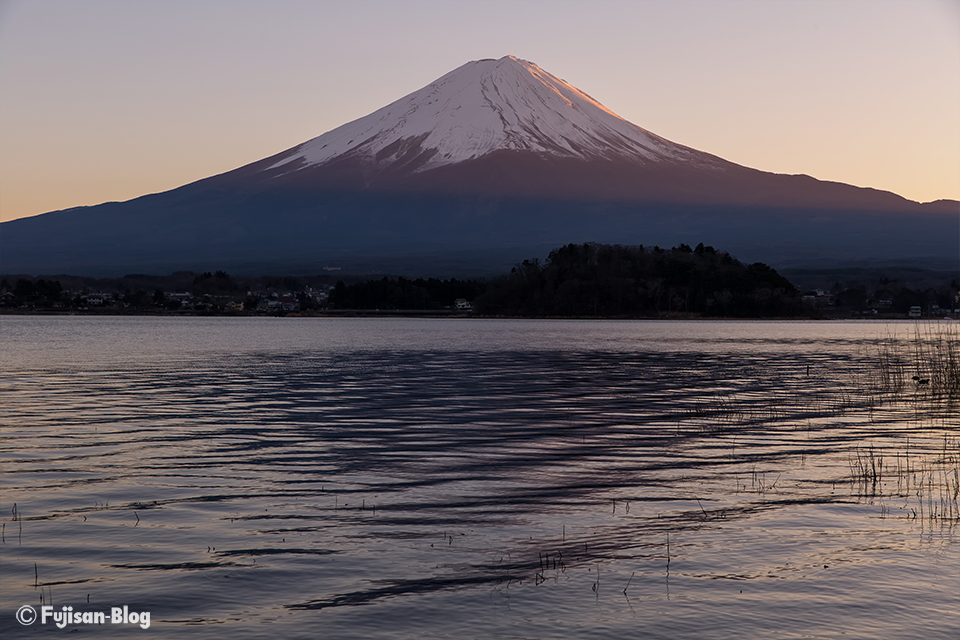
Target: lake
x=473 y=478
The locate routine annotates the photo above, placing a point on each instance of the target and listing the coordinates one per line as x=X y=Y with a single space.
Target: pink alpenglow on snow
x=491 y=105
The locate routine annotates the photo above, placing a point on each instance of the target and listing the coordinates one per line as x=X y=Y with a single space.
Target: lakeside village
x=288 y=296
x=50 y=296
x=192 y=294
x=585 y=280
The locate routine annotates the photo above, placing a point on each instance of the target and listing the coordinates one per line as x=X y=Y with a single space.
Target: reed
x=628 y=582
x=668 y=552
x=867 y=465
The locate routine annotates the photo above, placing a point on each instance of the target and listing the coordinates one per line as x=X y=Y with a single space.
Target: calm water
x=427 y=478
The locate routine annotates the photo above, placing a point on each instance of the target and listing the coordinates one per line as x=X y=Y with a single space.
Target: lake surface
x=459 y=478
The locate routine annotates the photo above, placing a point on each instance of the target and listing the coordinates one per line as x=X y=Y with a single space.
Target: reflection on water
x=438 y=478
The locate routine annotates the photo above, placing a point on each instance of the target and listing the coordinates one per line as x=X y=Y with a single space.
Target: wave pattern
x=708 y=492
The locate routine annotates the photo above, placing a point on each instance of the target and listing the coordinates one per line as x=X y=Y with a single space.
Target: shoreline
x=444 y=313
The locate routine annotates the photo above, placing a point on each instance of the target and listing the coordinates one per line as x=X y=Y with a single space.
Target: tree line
x=576 y=280
x=597 y=280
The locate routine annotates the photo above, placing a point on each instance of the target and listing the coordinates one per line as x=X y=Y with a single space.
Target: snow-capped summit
x=485 y=106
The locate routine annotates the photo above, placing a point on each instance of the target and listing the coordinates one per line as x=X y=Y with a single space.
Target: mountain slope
x=493 y=161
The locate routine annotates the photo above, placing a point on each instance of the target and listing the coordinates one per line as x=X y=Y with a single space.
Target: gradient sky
x=106 y=100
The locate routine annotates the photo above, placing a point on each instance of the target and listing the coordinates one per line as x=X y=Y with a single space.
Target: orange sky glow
x=109 y=100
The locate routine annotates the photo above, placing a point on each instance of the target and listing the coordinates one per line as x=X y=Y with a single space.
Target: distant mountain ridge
x=492 y=161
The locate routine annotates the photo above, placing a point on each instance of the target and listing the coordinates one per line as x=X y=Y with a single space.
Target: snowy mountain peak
x=485 y=106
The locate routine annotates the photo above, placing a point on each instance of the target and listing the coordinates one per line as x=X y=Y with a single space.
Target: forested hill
x=597 y=280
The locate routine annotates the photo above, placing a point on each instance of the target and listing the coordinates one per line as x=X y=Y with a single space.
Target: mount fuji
x=494 y=162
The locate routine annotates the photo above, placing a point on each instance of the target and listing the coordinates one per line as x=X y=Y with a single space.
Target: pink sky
x=106 y=100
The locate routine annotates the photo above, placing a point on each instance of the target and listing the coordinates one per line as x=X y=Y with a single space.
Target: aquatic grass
x=924 y=364
x=920 y=371
x=890 y=372
x=939 y=354
x=927 y=481
x=867 y=465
